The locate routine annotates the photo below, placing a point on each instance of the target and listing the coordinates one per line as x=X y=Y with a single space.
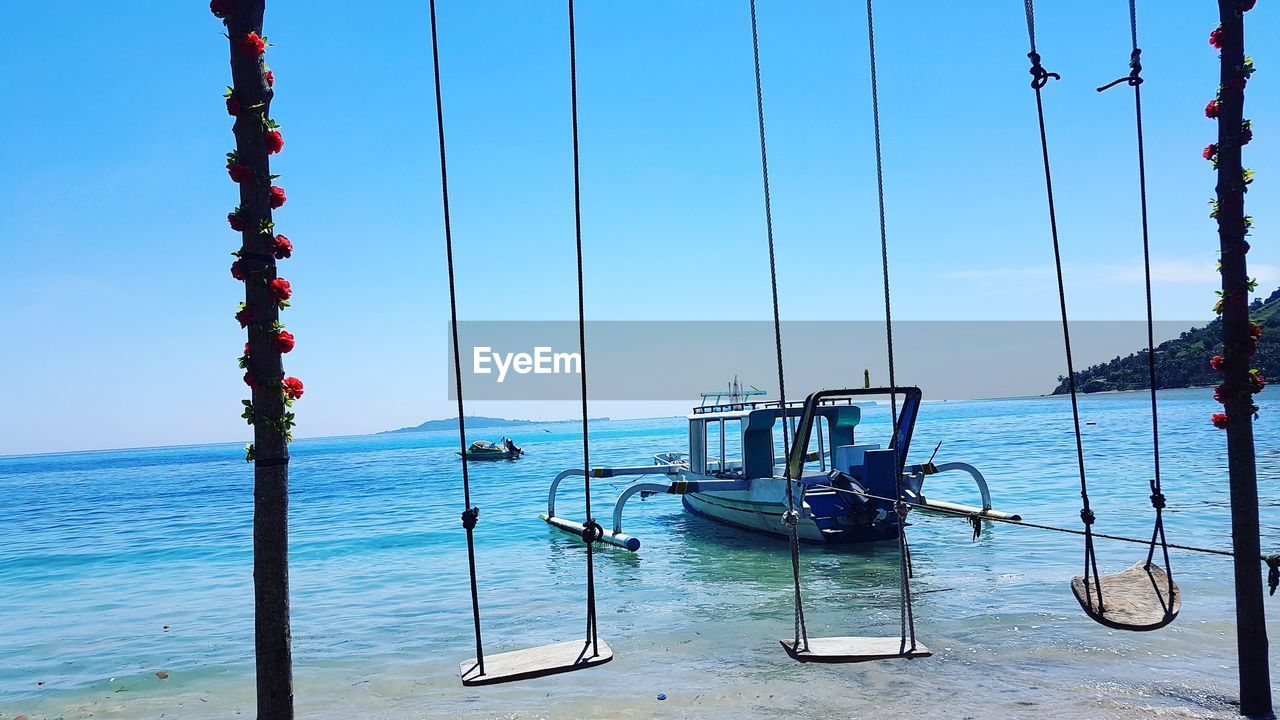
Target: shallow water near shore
x=102 y=550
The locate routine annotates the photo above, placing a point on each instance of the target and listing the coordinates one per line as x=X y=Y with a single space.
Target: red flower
x=1217 y=362
x=277 y=197
x=233 y=107
x=284 y=341
x=1211 y=110
x=279 y=289
x=1220 y=393
x=248 y=380
x=240 y=172
x=221 y=8
x=292 y=388
x=251 y=44
x=1215 y=38
x=246 y=349
x=1210 y=151
x=275 y=141
x=283 y=248
x=236 y=222
x=245 y=316
x=271 y=78
x=237 y=269
x=1254 y=330
x=1220 y=421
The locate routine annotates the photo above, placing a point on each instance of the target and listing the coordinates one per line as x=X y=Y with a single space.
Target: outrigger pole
x=1238 y=341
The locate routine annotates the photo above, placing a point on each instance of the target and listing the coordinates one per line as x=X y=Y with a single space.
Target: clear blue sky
x=118 y=328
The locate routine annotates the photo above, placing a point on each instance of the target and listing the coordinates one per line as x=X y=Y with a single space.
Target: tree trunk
x=1238 y=341
x=272 y=634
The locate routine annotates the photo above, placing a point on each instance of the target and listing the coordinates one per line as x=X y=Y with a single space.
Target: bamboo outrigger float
x=734 y=474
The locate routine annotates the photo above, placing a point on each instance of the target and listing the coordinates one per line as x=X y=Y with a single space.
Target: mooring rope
x=791 y=519
x=1039 y=78
x=905 y=611
x=470 y=513
x=1134 y=80
x=1269 y=560
x=591 y=530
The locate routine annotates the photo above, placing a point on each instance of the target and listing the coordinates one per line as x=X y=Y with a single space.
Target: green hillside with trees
x=1184 y=361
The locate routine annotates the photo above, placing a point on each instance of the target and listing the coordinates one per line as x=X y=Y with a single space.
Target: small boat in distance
x=504 y=449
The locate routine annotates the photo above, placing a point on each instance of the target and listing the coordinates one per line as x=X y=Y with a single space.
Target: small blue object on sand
x=662 y=696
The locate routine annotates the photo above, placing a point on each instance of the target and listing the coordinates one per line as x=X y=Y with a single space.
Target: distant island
x=480 y=422
x=1184 y=361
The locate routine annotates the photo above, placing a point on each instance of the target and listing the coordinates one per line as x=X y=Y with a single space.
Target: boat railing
x=765 y=404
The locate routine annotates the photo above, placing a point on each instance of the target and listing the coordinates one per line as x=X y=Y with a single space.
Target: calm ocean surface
x=102 y=550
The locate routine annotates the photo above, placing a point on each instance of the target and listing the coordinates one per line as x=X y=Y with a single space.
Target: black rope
x=791 y=519
x=1134 y=79
x=470 y=514
x=1270 y=560
x=592 y=639
x=1040 y=78
x=906 y=612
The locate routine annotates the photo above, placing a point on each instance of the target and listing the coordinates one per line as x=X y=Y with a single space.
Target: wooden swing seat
x=855 y=649
x=534 y=662
x=1137 y=598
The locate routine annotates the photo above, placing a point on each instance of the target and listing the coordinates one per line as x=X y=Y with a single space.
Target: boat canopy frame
x=900 y=439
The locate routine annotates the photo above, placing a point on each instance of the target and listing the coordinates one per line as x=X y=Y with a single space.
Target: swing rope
x=1134 y=80
x=905 y=610
x=470 y=513
x=800 y=642
x=591 y=530
x=1039 y=78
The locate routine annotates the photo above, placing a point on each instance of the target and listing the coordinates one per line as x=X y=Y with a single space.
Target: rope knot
x=470 y=517
x=790 y=518
x=1040 y=76
x=1134 y=78
x=901 y=508
x=1087 y=517
x=1158 y=501
x=1273 y=573
x=592 y=531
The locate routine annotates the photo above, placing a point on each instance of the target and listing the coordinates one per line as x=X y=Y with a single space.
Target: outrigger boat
x=736 y=472
x=504 y=449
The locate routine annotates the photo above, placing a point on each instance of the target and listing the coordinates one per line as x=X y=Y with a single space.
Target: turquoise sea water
x=101 y=550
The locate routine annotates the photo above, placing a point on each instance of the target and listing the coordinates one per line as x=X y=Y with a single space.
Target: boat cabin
x=745 y=441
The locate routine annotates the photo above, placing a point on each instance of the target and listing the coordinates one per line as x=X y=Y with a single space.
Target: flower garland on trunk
x=253 y=267
x=1231 y=200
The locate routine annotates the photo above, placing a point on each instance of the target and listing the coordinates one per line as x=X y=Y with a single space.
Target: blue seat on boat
x=880 y=472
x=848 y=459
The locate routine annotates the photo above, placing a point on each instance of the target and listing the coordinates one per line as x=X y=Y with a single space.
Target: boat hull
x=489 y=456
x=824 y=521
